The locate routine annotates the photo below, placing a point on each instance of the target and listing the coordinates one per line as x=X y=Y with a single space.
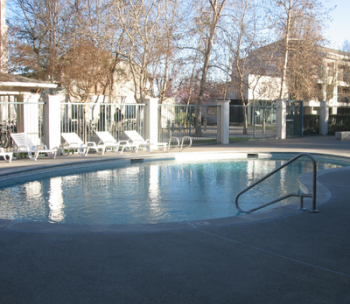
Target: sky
x=339 y=27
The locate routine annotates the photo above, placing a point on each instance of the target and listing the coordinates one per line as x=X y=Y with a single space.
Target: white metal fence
x=18 y=117
x=86 y=118
x=179 y=121
x=174 y=121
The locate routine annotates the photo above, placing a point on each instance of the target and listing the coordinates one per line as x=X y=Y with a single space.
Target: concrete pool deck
x=302 y=258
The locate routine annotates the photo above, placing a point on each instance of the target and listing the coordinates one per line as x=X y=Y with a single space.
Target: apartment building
x=332 y=80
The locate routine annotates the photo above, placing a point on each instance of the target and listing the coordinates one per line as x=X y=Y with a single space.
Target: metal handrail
x=301 y=195
x=183 y=140
x=176 y=139
x=171 y=139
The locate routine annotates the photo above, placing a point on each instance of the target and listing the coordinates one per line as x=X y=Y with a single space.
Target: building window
x=330 y=69
x=343 y=94
x=341 y=73
x=330 y=91
x=346 y=74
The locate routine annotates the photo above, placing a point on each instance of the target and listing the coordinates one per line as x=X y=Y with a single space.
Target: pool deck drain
x=302 y=258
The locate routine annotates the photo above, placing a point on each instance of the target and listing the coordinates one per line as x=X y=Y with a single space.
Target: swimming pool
x=153 y=191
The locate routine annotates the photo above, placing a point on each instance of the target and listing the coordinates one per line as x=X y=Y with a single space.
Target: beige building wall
x=264 y=88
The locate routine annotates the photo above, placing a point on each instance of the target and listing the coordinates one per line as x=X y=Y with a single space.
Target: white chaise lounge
x=110 y=144
x=148 y=145
x=73 y=142
x=6 y=155
x=23 y=144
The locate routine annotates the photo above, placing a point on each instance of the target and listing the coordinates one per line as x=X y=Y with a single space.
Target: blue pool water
x=152 y=192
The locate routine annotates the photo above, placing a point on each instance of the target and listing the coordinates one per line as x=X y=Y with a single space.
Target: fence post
x=28 y=116
x=52 y=110
x=151 y=120
x=324 y=118
x=223 y=121
x=281 y=124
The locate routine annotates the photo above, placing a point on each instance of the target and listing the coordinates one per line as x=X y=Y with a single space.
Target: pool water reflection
x=152 y=192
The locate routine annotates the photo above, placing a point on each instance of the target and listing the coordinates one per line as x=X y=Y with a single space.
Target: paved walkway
x=303 y=258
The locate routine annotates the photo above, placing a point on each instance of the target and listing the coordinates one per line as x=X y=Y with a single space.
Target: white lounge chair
x=73 y=142
x=148 y=145
x=23 y=144
x=6 y=154
x=109 y=142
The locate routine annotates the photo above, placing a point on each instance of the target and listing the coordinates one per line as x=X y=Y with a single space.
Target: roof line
x=28 y=84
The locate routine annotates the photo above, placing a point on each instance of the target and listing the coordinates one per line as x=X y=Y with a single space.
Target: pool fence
x=45 y=117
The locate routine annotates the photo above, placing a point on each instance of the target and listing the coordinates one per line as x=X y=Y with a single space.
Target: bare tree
x=164 y=70
x=39 y=30
x=3 y=39
x=88 y=66
x=243 y=37
x=208 y=16
x=82 y=68
x=242 y=57
x=139 y=23
x=346 y=46
x=298 y=24
x=141 y=33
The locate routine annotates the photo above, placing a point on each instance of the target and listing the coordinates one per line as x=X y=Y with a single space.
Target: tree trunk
x=286 y=46
x=217 y=9
x=245 y=120
x=264 y=127
x=198 y=122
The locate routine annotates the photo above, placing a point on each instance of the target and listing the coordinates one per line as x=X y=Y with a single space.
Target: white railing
x=86 y=118
x=20 y=117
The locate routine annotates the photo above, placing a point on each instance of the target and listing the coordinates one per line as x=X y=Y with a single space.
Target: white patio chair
x=73 y=142
x=109 y=142
x=148 y=145
x=23 y=144
x=6 y=154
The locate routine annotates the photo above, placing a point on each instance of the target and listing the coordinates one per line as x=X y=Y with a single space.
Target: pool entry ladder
x=301 y=195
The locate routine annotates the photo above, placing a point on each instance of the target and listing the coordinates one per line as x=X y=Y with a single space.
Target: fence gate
x=180 y=120
x=294 y=118
x=261 y=121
